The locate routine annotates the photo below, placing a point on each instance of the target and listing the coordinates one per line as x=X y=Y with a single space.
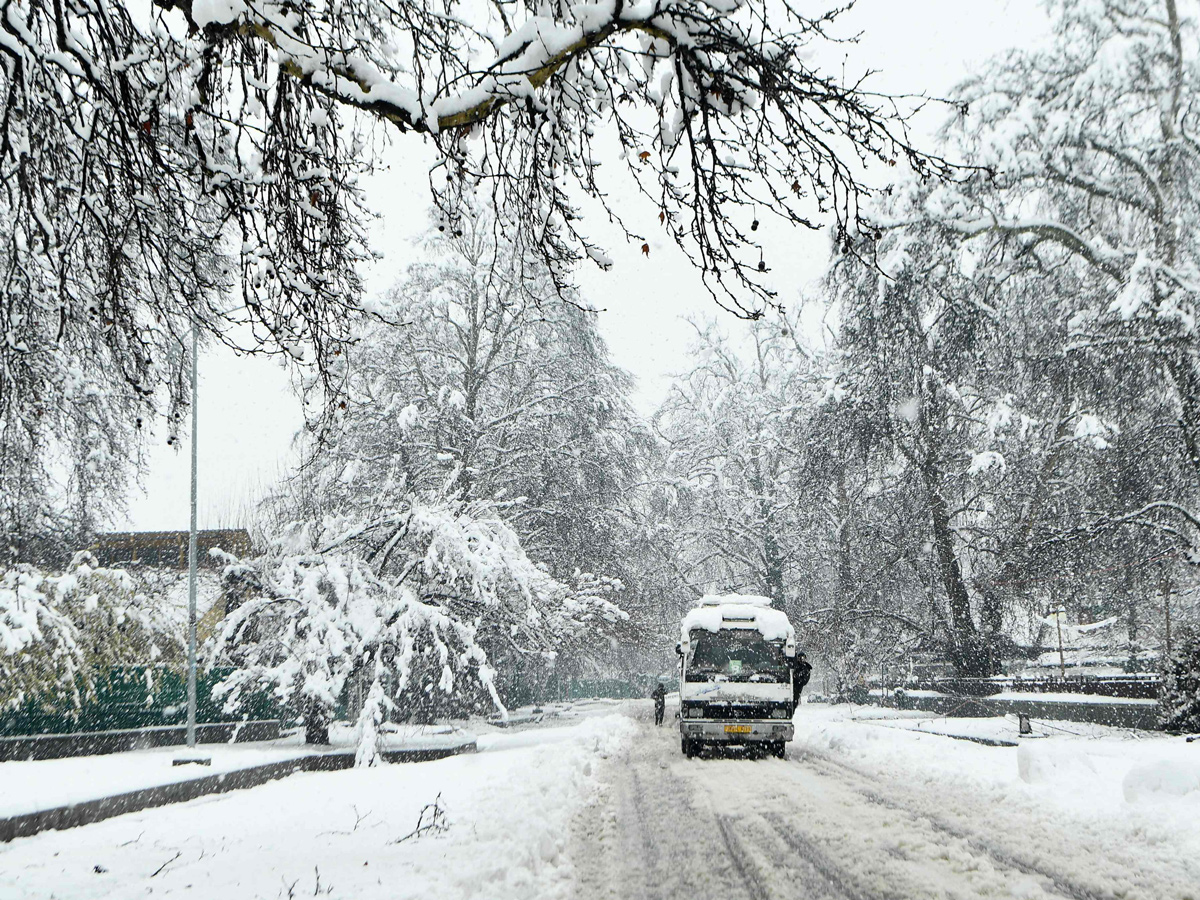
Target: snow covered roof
x=771 y=623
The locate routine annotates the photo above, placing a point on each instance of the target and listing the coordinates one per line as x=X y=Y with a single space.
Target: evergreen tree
x=1179 y=695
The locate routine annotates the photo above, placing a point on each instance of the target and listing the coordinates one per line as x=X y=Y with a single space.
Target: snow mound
x=520 y=831
x=1160 y=781
x=1051 y=764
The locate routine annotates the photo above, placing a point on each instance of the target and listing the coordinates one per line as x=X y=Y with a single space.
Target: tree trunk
x=316 y=723
x=967 y=653
x=774 y=567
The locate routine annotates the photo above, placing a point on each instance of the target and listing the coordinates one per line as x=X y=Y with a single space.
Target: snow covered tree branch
x=411 y=603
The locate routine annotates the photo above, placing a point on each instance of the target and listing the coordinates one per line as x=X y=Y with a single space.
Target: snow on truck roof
x=736 y=599
x=739 y=611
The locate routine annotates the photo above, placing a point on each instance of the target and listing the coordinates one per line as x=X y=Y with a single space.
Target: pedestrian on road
x=801 y=672
x=660 y=703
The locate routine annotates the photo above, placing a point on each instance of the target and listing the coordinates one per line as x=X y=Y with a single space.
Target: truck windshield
x=740 y=655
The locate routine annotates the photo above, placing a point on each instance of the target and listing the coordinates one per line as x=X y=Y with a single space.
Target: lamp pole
x=191 y=674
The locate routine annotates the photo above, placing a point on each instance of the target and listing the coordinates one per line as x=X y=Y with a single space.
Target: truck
x=736 y=658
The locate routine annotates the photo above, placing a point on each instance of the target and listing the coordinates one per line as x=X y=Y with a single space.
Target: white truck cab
x=735 y=674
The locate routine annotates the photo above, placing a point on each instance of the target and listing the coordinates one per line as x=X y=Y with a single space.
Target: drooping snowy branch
x=406 y=603
x=57 y=631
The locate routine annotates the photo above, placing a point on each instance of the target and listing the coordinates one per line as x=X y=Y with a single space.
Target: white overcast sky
x=248 y=413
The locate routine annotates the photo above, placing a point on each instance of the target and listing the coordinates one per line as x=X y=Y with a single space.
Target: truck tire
x=689 y=748
x=779 y=749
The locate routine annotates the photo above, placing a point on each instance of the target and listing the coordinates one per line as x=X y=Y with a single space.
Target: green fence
x=136 y=697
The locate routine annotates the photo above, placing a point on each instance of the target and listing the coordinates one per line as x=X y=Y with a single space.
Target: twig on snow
x=167 y=863
x=359 y=818
x=432 y=820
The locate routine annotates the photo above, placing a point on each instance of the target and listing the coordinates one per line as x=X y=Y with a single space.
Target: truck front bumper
x=738 y=732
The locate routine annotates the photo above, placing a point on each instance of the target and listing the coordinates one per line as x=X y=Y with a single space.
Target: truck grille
x=735 y=711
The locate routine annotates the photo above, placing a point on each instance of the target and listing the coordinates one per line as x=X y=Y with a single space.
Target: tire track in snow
x=808 y=827
x=741 y=861
x=644 y=839
x=868 y=786
x=799 y=869
x=828 y=872
x=814 y=837
x=820 y=840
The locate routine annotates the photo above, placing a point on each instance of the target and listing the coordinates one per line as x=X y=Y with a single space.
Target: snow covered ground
x=336 y=834
x=870 y=804
x=865 y=809
x=1115 y=810
x=1077 y=766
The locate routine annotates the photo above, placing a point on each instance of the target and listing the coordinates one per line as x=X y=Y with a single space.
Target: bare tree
x=1094 y=145
x=155 y=160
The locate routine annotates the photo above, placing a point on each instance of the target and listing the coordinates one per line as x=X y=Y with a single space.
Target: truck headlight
x=779 y=713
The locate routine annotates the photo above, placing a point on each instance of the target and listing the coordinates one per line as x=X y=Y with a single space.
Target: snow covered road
x=815 y=826
x=868 y=805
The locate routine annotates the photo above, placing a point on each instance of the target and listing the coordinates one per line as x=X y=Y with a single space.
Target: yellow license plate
x=738 y=729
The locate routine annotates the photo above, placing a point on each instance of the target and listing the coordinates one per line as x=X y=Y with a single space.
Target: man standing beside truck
x=801 y=672
x=660 y=703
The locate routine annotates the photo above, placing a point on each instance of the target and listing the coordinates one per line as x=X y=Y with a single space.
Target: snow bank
x=1161 y=780
x=1067 y=697
x=339 y=833
x=1073 y=764
x=1052 y=764
x=1106 y=808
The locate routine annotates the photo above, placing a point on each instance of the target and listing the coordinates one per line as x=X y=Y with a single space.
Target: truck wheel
x=689 y=748
x=779 y=749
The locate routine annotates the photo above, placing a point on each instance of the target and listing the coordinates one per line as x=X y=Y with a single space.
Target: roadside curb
x=90 y=811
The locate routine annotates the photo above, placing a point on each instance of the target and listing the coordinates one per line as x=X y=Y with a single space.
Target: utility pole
x=191 y=677
x=192 y=756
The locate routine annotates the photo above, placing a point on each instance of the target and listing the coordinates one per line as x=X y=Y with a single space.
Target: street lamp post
x=192 y=756
x=191 y=676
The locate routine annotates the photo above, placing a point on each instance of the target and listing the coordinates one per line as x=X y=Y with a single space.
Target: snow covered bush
x=40 y=659
x=1179 y=696
x=404 y=606
x=58 y=631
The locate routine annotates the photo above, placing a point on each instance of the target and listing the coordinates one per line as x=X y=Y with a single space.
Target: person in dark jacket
x=660 y=703
x=801 y=672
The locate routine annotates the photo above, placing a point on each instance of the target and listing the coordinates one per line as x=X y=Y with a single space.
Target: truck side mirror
x=678 y=649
